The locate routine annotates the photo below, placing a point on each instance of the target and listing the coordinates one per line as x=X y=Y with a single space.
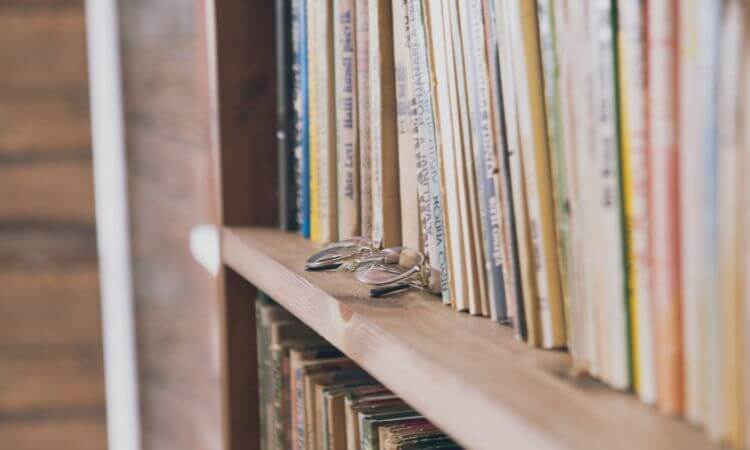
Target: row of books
x=314 y=398
x=571 y=167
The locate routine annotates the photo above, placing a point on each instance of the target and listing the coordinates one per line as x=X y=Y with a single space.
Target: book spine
x=438 y=57
x=465 y=263
x=428 y=174
x=728 y=98
x=362 y=22
x=511 y=278
x=465 y=162
x=709 y=59
x=536 y=167
x=550 y=74
x=313 y=61
x=301 y=124
x=513 y=143
x=324 y=129
x=632 y=67
x=664 y=225
x=386 y=222
x=611 y=259
x=285 y=124
x=484 y=155
x=407 y=134
x=693 y=99
x=346 y=120
x=278 y=418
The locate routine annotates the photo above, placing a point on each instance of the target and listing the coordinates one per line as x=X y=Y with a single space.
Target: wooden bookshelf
x=467 y=374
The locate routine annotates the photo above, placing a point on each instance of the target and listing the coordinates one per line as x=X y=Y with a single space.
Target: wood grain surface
x=467 y=374
x=51 y=376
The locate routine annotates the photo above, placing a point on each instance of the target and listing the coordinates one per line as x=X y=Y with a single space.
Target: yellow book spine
x=313 y=122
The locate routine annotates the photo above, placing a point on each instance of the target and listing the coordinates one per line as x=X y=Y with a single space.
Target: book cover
x=485 y=154
x=285 y=120
x=407 y=133
x=301 y=123
x=632 y=69
x=386 y=222
x=664 y=201
x=347 y=142
x=536 y=168
x=362 y=24
x=513 y=144
x=428 y=171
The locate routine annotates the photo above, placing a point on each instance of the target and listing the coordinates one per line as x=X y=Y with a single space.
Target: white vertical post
x=110 y=183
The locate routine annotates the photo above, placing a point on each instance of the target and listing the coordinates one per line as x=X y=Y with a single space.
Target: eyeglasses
x=390 y=270
x=411 y=271
x=335 y=254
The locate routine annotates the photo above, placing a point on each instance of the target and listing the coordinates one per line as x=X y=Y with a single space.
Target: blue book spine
x=301 y=122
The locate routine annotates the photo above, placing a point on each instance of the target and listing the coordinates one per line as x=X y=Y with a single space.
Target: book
x=474 y=254
x=732 y=426
x=285 y=120
x=386 y=222
x=631 y=54
x=347 y=139
x=406 y=125
x=485 y=156
x=362 y=24
x=323 y=175
x=439 y=40
x=664 y=200
x=284 y=336
x=301 y=118
x=536 y=170
x=428 y=171
x=518 y=186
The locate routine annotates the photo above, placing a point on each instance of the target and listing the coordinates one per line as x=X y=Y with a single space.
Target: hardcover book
x=285 y=120
x=362 y=23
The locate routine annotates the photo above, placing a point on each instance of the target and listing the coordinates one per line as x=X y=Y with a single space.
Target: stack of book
x=314 y=398
x=570 y=167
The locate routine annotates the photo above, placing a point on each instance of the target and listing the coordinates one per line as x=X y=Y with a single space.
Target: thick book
x=285 y=120
x=664 y=201
x=301 y=117
x=386 y=204
x=323 y=121
x=362 y=24
x=347 y=142
x=485 y=154
x=536 y=170
x=406 y=125
x=632 y=68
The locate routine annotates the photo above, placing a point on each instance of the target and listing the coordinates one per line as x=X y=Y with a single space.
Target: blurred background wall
x=51 y=379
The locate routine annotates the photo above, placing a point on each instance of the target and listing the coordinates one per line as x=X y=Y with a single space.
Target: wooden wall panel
x=170 y=190
x=51 y=375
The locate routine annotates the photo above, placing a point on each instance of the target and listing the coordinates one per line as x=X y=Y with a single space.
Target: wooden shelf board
x=467 y=374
